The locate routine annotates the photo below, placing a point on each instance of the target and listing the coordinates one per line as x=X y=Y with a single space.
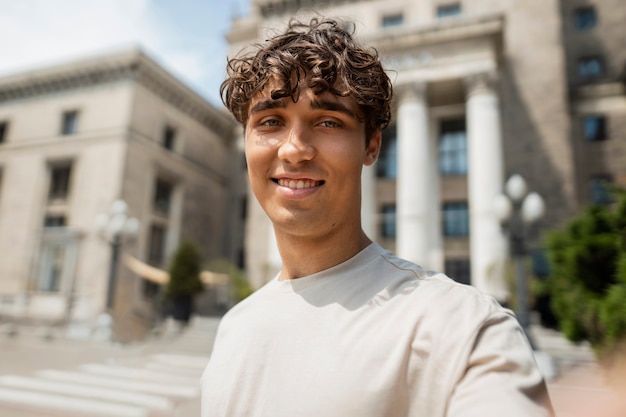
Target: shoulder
x=441 y=291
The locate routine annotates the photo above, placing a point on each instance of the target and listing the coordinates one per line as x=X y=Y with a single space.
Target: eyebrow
x=315 y=105
x=267 y=105
x=333 y=106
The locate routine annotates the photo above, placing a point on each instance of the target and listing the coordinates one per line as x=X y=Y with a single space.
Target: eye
x=330 y=123
x=270 y=122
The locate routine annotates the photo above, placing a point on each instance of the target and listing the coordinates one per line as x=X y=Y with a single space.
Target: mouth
x=297 y=184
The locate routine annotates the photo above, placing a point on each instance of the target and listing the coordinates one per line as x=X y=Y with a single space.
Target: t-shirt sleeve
x=500 y=377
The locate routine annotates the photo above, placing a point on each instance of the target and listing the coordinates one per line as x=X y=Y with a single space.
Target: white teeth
x=297 y=184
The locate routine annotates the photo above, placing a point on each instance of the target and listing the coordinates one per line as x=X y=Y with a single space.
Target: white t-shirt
x=375 y=336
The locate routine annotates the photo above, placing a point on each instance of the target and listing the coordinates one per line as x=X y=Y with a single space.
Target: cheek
x=350 y=158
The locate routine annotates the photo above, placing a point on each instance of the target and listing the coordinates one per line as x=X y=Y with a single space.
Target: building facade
x=483 y=89
x=77 y=137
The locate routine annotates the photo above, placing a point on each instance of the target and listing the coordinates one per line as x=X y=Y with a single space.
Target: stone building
x=75 y=138
x=483 y=89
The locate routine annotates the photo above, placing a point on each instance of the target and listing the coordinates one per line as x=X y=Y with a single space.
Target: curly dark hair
x=320 y=55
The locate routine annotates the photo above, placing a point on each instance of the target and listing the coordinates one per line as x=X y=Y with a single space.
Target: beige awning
x=214 y=278
x=160 y=276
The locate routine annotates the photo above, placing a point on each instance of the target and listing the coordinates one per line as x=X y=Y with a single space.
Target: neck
x=304 y=256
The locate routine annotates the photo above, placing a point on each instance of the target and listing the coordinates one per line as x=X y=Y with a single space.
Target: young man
x=347 y=329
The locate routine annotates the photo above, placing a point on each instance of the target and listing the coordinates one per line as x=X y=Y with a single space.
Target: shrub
x=184 y=271
x=587 y=282
x=239 y=286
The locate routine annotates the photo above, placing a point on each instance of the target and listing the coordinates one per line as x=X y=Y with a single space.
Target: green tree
x=239 y=286
x=184 y=282
x=587 y=282
x=184 y=271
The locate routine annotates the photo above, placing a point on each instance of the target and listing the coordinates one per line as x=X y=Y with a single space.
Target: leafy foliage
x=185 y=271
x=588 y=276
x=239 y=285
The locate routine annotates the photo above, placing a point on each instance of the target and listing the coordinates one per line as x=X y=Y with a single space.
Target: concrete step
x=177 y=391
x=62 y=405
x=155 y=403
x=139 y=374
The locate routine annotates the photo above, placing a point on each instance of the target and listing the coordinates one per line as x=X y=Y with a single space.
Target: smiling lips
x=298 y=184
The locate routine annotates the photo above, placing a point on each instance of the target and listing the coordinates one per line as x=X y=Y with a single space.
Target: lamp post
x=114 y=227
x=517 y=210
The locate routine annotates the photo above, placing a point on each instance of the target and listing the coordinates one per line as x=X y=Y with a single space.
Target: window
x=590 y=68
x=59 y=182
x=600 y=190
x=453 y=148
x=455 y=219
x=4 y=127
x=594 y=128
x=57 y=260
x=585 y=18
x=448 y=10
x=387 y=164
x=388 y=224
x=169 y=138
x=156 y=255
x=70 y=122
x=156 y=244
x=162 y=196
x=393 y=20
x=53 y=269
x=54 y=221
x=458 y=270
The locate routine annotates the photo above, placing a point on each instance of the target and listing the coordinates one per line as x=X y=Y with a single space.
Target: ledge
x=129 y=65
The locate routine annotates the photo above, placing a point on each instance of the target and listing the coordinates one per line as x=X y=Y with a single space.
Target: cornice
x=131 y=65
x=268 y=8
x=401 y=38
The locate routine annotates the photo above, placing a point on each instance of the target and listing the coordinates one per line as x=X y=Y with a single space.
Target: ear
x=373 y=148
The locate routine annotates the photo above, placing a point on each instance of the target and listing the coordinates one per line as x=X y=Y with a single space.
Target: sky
x=185 y=36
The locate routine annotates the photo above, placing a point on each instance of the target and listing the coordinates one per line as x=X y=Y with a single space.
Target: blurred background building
x=75 y=138
x=483 y=89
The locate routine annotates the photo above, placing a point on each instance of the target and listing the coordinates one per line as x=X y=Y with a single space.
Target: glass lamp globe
x=515 y=187
x=533 y=208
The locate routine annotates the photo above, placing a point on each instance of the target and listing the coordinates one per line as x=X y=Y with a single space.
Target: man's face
x=305 y=160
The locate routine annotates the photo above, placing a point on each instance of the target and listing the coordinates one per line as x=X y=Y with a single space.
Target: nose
x=297 y=146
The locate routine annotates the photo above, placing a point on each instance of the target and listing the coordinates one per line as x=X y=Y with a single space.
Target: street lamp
x=517 y=210
x=114 y=227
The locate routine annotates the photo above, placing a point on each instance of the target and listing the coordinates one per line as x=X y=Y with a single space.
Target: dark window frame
x=60 y=181
x=387 y=164
x=392 y=20
x=55 y=220
x=595 y=128
x=163 y=193
x=585 y=18
x=389 y=220
x=156 y=256
x=449 y=10
x=599 y=187
x=169 y=138
x=452 y=147
x=4 y=129
x=586 y=67
x=455 y=218
x=459 y=270
x=69 y=122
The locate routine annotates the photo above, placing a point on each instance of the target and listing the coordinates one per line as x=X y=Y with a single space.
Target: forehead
x=324 y=100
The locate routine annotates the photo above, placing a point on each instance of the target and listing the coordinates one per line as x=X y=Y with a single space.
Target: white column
x=436 y=257
x=412 y=185
x=368 y=201
x=488 y=245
